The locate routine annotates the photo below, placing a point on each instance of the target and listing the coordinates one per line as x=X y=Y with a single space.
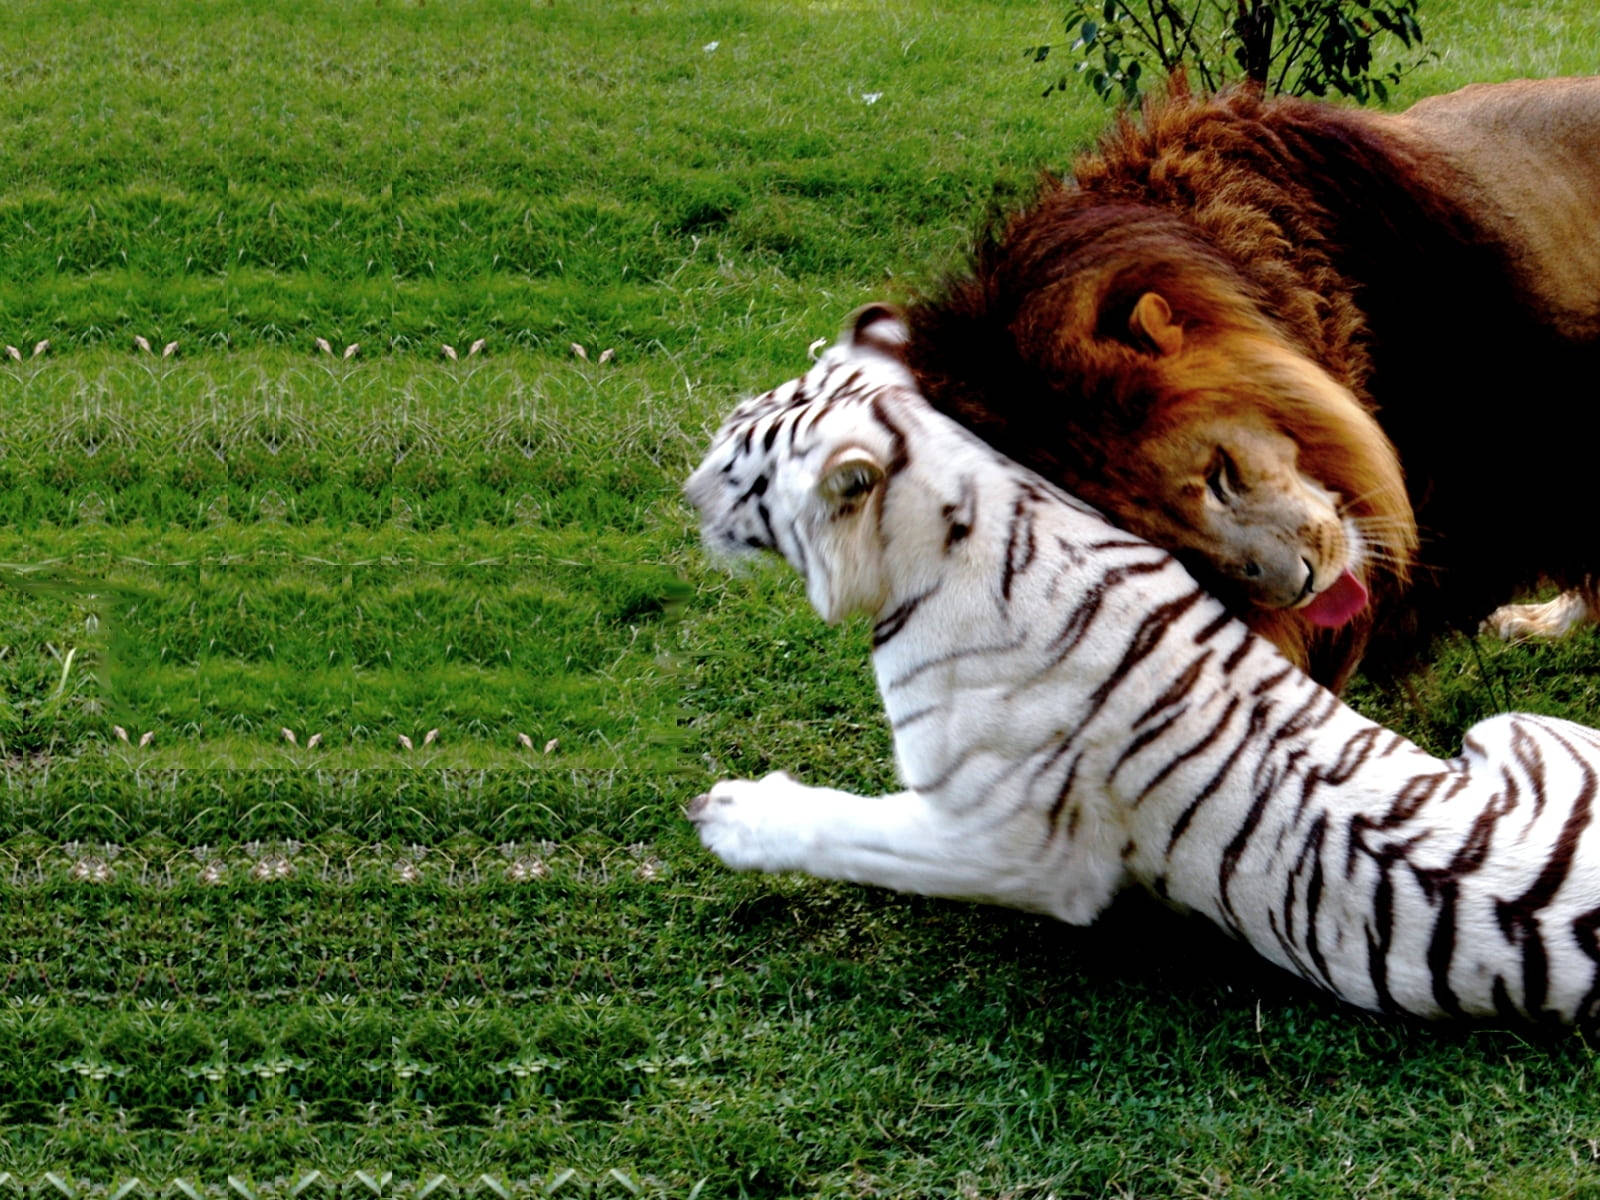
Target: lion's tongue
x=1337 y=603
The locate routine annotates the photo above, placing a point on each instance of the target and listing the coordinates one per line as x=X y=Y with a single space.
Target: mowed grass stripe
x=359 y=655
x=356 y=179
x=375 y=927
x=124 y=794
x=506 y=441
x=962 y=1064
x=211 y=552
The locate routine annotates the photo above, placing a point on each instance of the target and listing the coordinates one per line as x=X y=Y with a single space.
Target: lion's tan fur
x=1529 y=156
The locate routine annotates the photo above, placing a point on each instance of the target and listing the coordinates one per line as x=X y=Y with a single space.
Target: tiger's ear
x=1152 y=323
x=849 y=474
x=879 y=327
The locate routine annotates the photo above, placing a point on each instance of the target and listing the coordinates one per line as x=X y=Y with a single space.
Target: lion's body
x=1529 y=152
x=1438 y=270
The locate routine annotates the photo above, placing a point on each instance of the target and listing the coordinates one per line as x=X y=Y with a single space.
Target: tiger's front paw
x=749 y=823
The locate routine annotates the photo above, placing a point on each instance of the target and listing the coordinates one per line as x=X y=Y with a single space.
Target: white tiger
x=1072 y=715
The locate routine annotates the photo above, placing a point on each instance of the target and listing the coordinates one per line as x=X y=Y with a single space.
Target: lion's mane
x=1338 y=233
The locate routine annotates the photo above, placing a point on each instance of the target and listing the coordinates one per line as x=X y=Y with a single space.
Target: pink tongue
x=1336 y=604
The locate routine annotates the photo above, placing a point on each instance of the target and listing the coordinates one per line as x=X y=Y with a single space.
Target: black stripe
x=1178 y=690
x=1352 y=755
x=1145 y=639
x=1270 y=682
x=1442 y=949
x=1246 y=644
x=1118 y=544
x=1525 y=750
x=766 y=523
x=960 y=516
x=885 y=630
x=1313 y=846
x=758 y=488
x=1020 y=545
x=1519 y=916
x=899 y=455
x=942 y=660
x=1378 y=946
x=1584 y=931
x=1215 y=627
x=1266 y=784
x=913 y=717
x=1061 y=800
x=1143 y=740
x=1252 y=728
x=1081 y=619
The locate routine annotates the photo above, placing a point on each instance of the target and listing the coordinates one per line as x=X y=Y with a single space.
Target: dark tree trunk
x=1254 y=25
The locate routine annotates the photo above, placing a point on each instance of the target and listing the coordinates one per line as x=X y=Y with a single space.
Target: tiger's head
x=797 y=471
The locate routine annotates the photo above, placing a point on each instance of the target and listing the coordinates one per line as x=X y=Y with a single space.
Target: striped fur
x=1073 y=715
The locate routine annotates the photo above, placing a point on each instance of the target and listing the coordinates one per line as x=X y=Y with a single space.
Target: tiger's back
x=1072 y=714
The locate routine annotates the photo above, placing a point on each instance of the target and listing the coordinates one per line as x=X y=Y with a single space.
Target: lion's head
x=1252 y=461
x=1110 y=346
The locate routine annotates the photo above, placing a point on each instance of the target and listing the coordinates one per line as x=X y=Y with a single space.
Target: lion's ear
x=1152 y=322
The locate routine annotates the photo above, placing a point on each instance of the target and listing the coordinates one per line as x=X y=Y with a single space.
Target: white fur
x=1049 y=763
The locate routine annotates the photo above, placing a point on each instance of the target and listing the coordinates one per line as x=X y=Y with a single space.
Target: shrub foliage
x=1303 y=47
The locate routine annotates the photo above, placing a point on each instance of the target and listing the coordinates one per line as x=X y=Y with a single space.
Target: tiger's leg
x=1552 y=619
x=898 y=841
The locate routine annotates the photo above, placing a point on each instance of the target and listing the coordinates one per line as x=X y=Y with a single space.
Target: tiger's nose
x=698 y=489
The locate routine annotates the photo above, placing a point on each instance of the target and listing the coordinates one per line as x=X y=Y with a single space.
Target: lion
x=1244 y=316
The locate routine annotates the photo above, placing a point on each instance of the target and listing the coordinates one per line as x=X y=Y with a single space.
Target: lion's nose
x=1311 y=578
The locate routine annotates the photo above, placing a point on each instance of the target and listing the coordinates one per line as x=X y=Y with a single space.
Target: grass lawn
x=348 y=703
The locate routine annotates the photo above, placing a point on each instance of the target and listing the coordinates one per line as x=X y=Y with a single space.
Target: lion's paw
x=750 y=824
x=1552 y=619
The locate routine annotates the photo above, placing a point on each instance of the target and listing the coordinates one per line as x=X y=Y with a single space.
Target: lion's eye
x=1223 y=478
x=1218 y=485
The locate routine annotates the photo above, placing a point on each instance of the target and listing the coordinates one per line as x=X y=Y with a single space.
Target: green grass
x=497 y=963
